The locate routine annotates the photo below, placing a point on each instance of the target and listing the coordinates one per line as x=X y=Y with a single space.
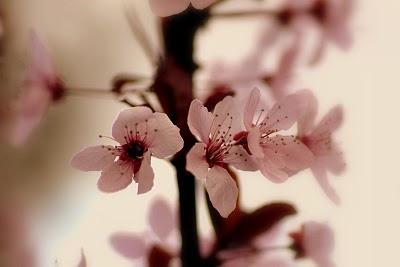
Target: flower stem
x=242 y=14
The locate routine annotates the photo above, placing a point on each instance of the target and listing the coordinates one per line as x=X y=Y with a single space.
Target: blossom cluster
x=251 y=140
x=250 y=121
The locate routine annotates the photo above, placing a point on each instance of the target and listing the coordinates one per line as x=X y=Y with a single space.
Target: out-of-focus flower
x=330 y=17
x=333 y=17
x=208 y=159
x=41 y=88
x=16 y=248
x=277 y=155
x=260 y=261
x=140 y=134
x=159 y=245
x=318 y=138
x=165 y=8
x=315 y=241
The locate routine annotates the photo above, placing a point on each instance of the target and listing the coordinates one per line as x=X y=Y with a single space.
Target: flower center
x=134 y=150
x=220 y=142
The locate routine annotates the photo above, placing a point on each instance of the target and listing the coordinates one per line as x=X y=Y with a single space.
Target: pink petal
x=30 y=110
x=115 y=177
x=94 y=158
x=165 y=8
x=285 y=113
x=333 y=162
x=294 y=154
x=320 y=48
x=251 y=108
x=321 y=176
x=222 y=190
x=240 y=159
x=145 y=175
x=329 y=123
x=128 y=120
x=161 y=219
x=307 y=120
x=226 y=117
x=195 y=161
x=82 y=262
x=271 y=172
x=253 y=141
x=201 y=4
x=318 y=241
x=164 y=136
x=41 y=67
x=285 y=71
x=129 y=245
x=199 y=121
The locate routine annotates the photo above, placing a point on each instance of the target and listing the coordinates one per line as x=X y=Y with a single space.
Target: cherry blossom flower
x=137 y=247
x=41 y=88
x=260 y=261
x=318 y=138
x=315 y=241
x=140 y=134
x=277 y=155
x=208 y=159
x=16 y=245
x=165 y=8
x=331 y=18
x=163 y=237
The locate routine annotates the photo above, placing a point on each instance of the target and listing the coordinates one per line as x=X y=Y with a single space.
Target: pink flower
x=208 y=159
x=330 y=17
x=259 y=261
x=318 y=138
x=16 y=245
x=277 y=155
x=333 y=17
x=165 y=8
x=140 y=134
x=163 y=234
x=162 y=238
x=315 y=241
x=41 y=88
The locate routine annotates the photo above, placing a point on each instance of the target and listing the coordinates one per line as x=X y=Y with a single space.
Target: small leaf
x=258 y=222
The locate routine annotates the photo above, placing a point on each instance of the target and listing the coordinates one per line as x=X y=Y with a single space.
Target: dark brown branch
x=174 y=88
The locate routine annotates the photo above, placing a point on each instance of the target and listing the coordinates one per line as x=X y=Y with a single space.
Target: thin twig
x=139 y=32
x=241 y=14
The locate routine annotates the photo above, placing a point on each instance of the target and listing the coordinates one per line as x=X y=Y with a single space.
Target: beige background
x=91 y=42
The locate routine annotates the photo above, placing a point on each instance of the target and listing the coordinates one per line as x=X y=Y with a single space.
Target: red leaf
x=257 y=222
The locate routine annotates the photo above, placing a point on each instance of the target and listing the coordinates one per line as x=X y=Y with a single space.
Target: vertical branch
x=174 y=87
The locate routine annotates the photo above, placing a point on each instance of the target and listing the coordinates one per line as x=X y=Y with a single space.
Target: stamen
x=108 y=137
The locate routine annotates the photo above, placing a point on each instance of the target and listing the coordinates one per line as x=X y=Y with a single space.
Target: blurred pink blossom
x=140 y=134
x=315 y=241
x=318 y=138
x=163 y=236
x=207 y=160
x=41 y=88
x=16 y=247
x=277 y=155
x=165 y=8
x=331 y=18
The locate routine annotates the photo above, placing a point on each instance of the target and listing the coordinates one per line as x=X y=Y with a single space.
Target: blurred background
x=91 y=42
